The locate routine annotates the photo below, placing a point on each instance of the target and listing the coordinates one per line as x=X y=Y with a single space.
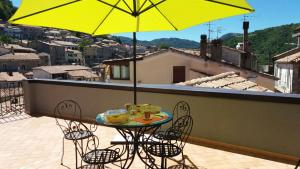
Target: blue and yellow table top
x=136 y=120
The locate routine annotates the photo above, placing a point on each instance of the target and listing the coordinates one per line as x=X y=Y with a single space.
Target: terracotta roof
x=289 y=59
x=3 y=51
x=18 y=48
x=64 y=43
x=20 y=56
x=82 y=73
x=228 y=80
x=16 y=76
x=61 y=68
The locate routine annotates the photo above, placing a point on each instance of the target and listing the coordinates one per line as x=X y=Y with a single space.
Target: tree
x=164 y=46
x=83 y=43
x=5 y=39
x=6 y=9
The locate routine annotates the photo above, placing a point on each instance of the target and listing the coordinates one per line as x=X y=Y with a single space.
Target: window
x=116 y=72
x=120 y=72
x=23 y=67
x=4 y=67
x=124 y=72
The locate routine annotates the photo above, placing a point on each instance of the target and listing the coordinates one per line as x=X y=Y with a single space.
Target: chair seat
x=170 y=135
x=78 y=135
x=100 y=156
x=164 y=150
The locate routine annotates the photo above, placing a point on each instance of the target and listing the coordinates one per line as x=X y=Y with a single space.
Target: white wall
x=41 y=74
x=285 y=74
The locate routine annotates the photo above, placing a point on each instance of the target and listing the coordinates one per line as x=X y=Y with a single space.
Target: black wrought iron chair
x=181 y=109
x=94 y=156
x=167 y=148
x=72 y=129
x=298 y=164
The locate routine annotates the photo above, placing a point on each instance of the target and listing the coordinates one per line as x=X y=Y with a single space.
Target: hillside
x=6 y=9
x=171 y=42
x=270 y=41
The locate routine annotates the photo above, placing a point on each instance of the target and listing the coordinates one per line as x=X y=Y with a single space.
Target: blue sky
x=268 y=13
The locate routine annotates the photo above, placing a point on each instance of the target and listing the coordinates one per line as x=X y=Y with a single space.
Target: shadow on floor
x=13 y=117
x=185 y=163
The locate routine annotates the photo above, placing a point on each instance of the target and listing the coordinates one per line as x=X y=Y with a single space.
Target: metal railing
x=11 y=99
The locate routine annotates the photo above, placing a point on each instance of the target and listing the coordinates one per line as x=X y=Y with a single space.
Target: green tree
x=6 y=9
x=164 y=46
x=83 y=43
x=5 y=39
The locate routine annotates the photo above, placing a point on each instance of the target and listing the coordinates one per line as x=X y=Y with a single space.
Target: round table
x=134 y=133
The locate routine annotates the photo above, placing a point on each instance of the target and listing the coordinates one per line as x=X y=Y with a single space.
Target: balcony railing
x=11 y=99
x=255 y=123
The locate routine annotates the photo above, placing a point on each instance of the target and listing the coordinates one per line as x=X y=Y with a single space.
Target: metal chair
x=181 y=109
x=167 y=148
x=72 y=129
x=92 y=155
x=298 y=164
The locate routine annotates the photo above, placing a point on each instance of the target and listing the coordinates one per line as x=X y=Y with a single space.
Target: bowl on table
x=117 y=116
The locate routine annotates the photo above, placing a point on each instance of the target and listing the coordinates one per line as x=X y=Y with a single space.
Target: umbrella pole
x=134 y=67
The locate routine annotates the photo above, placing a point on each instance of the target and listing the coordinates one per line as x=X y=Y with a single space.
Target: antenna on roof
x=219 y=31
x=209 y=30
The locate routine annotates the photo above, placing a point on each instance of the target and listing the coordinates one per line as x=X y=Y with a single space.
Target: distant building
x=227 y=80
x=20 y=62
x=55 y=51
x=67 y=45
x=175 y=66
x=13 y=31
x=71 y=72
x=72 y=39
x=10 y=79
x=32 y=32
x=74 y=57
x=95 y=54
x=287 y=69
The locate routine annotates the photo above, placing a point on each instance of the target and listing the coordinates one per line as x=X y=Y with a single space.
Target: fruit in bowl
x=116 y=116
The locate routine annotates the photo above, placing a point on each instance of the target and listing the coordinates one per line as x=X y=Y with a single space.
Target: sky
x=268 y=13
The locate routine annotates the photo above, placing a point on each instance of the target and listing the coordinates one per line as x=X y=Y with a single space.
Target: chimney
x=12 y=50
x=216 y=50
x=246 y=36
x=203 y=46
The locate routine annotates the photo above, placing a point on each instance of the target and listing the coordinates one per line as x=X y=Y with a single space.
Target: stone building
x=55 y=51
x=21 y=62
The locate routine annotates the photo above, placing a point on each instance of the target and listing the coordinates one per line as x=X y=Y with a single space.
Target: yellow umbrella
x=98 y=17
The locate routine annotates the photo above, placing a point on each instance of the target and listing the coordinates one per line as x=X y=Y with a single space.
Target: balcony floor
x=36 y=143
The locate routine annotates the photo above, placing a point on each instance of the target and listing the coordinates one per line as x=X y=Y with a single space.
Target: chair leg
x=76 y=156
x=63 y=151
x=298 y=164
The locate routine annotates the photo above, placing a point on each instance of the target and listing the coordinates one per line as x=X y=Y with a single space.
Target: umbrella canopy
x=97 y=17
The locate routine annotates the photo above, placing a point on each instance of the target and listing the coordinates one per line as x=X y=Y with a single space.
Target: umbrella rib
x=127 y=6
x=113 y=7
x=235 y=6
x=155 y=6
x=59 y=6
x=151 y=6
x=142 y=5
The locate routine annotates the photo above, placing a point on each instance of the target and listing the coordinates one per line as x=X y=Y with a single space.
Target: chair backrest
x=182 y=127
x=181 y=109
x=70 y=109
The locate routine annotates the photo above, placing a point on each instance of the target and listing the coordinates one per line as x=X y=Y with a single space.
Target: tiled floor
x=36 y=143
